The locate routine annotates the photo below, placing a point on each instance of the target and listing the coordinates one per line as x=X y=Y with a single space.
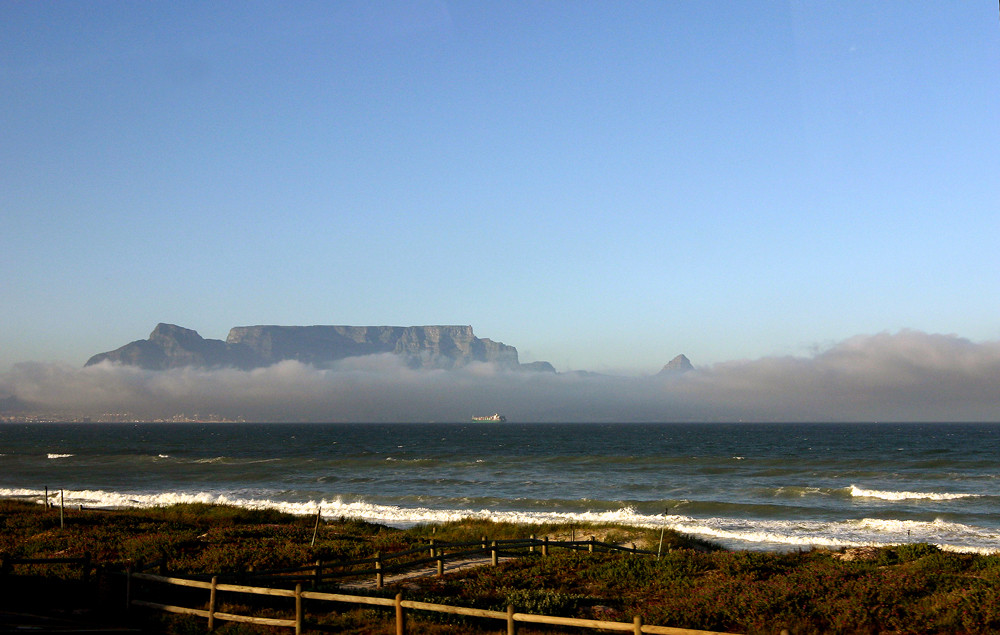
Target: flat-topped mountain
x=246 y=347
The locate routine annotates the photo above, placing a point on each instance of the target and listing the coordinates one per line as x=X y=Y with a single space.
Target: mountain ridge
x=249 y=347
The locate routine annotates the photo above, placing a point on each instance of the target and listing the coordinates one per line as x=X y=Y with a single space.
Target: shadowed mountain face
x=247 y=347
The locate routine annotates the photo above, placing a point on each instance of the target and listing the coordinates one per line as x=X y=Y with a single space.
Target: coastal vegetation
x=899 y=589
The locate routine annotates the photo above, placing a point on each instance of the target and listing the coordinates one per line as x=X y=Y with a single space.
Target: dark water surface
x=757 y=486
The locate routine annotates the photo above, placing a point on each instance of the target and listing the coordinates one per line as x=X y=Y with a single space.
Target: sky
x=602 y=185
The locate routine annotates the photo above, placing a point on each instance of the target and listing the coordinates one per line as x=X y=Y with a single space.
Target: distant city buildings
x=116 y=417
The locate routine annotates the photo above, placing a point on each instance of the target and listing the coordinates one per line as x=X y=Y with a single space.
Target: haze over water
x=753 y=486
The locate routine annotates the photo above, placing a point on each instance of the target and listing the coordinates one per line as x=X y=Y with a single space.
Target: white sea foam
x=899 y=496
x=20 y=492
x=53 y=455
x=732 y=532
x=898 y=526
x=741 y=533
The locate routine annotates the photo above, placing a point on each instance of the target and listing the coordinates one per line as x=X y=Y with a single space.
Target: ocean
x=746 y=486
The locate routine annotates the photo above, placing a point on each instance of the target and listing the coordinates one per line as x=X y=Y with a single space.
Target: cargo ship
x=496 y=416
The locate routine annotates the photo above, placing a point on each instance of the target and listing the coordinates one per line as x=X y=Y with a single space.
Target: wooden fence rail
x=297 y=622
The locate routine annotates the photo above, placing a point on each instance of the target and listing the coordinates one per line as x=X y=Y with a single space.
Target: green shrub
x=752 y=564
x=542 y=601
x=914 y=551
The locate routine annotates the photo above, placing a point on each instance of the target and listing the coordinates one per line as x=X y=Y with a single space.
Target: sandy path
x=402 y=577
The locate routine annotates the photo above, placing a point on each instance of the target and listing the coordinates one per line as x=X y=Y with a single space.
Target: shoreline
x=771 y=536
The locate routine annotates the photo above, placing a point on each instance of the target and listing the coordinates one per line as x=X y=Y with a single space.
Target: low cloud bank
x=907 y=376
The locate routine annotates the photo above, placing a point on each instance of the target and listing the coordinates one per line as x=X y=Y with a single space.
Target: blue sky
x=603 y=185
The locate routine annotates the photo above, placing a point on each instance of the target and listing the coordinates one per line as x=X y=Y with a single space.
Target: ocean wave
x=732 y=532
x=857 y=492
x=229 y=460
x=20 y=492
x=53 y=455
x=796 y=491
x=936 y=526
x=741 y=533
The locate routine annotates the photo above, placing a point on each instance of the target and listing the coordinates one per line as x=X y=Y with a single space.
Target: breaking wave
x=738 y=533
x=899 y=496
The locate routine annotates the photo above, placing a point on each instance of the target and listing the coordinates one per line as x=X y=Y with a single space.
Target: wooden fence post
x=62 y=511
x=590 y=547
x=316 y=527
x=531 y=547
x=400 y=616
x=298 y=609
x=85 y=574
x=211 y=603
x=511 y=624
x=317 y=574
x=128 y=588
x=493 y=553
x=545 y=546
x=637 y=625
x=99 y=593
x=379 y=579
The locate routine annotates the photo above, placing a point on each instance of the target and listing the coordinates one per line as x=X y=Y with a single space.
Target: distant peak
x=175 y=334
x=172 y=330
x=679 y=364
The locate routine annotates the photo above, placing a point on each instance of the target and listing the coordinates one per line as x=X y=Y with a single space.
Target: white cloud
x=904 y=376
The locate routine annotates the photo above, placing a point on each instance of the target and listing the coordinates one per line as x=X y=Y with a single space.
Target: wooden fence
x=435 y=553
x=299 y=623
x=315 y=574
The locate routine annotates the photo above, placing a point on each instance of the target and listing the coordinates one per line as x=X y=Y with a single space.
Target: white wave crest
x=19 y=492
x=737 y=533
x=742 y=533
x=899 y=496
x=53 y=455
x=900 y=526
